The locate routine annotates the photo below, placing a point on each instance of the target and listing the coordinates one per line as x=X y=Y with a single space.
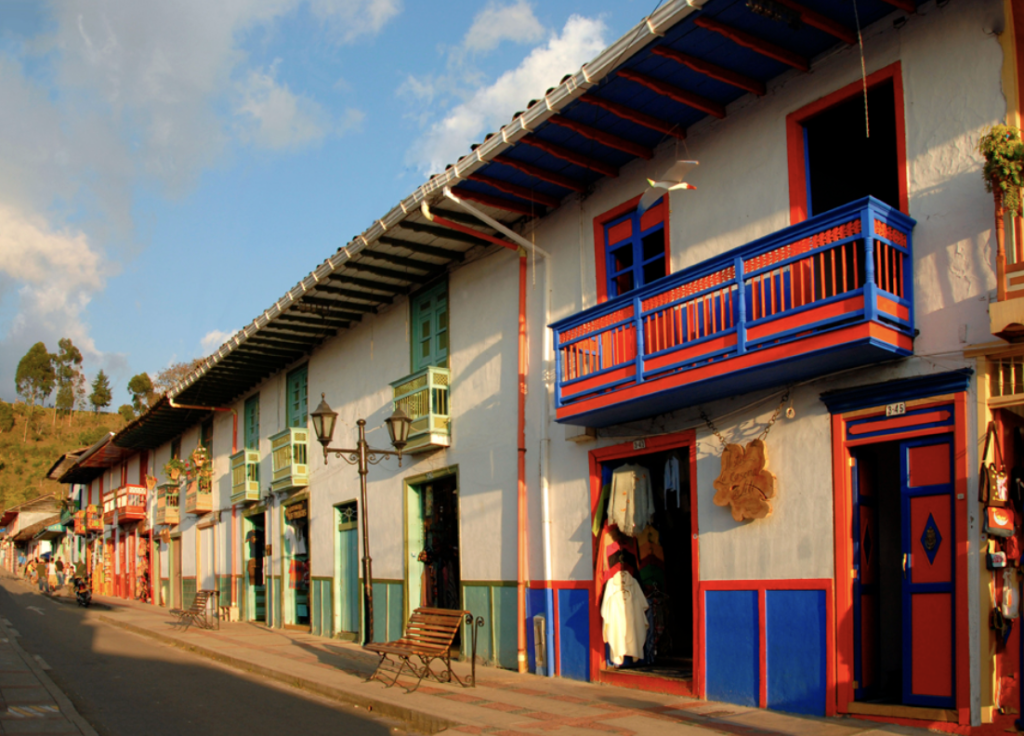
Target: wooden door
x=348 y=568
x=865 y=582
x=926 y=487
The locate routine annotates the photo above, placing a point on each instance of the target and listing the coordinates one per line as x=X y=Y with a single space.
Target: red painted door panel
x=926 y=488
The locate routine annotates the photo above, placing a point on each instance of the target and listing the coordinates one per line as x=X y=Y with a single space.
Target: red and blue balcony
x=830 y=293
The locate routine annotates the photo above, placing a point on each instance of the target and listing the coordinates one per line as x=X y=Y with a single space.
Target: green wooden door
x=430 y=328
x=348 y=568
x=252 y=423
x=297 y=398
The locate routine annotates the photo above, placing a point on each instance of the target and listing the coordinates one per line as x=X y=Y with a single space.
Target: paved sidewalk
x=503 y=703
x=30 y=702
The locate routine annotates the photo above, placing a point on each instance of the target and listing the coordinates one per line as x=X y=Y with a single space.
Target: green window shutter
x=297 y=409
x=430 y=328
x=252 y=423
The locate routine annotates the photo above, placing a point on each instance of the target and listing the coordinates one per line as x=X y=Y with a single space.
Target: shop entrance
x=255 y=552
x=903 y=555
x=644 y=528
x=434 y=577
x=296 y=550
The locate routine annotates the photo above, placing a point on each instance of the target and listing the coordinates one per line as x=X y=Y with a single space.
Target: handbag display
x=995 y=560
x=999 y=521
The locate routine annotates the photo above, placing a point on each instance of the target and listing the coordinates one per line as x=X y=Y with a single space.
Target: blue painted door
x=348 y=568
x=865 y=584
x=928 y=583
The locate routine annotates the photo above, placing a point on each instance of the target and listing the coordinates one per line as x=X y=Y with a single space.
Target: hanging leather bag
x=999 y=521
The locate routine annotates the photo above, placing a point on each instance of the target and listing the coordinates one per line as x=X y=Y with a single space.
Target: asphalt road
x=127 y=685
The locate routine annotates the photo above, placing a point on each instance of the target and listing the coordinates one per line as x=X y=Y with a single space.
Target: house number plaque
x=895 y=410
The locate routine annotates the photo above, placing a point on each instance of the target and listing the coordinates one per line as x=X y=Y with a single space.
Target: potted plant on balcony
x=1004 y=176
x=173 y=469
x=200 y=470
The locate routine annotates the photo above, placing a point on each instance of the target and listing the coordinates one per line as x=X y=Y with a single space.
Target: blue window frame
x=635 y=250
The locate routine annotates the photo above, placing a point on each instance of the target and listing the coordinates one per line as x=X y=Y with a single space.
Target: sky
x=169 y=169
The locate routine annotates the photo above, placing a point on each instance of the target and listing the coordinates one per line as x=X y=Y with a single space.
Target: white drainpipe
x=545 y=439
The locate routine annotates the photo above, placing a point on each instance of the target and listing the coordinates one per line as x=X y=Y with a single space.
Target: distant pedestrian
x=60 y=573
x=80 y=571
x=41 y=577
x=51 y=575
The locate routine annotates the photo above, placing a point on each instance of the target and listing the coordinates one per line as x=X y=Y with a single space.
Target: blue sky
x=168 y=170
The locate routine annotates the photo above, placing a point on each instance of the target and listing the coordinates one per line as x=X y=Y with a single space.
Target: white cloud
x=275 y=117
x=496 y=23
x=492 y=106
x=354 y=18
x=117 y=94
x=213 y=340
x=52 y=276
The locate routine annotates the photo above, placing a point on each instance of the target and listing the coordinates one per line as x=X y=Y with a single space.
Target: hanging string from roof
x=863 y=71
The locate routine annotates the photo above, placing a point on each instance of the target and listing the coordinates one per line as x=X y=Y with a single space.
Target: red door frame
x=843 y=540
x=677 y=440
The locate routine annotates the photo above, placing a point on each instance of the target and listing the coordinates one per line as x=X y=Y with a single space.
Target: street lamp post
x=362 y=457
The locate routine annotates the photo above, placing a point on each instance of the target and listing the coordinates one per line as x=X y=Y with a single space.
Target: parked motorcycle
x=83 y=592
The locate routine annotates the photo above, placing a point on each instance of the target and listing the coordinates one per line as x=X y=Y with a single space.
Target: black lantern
x=398 y=427
x=323 y=422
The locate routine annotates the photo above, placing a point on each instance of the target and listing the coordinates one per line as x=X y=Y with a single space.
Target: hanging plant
x=173 y=469
x=1004 y=165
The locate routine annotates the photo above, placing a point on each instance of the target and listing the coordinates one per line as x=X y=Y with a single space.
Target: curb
x=67 y=708
x=419 y=720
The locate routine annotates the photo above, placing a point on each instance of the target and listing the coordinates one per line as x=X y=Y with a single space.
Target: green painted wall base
x=321 y=605
x=497 y=641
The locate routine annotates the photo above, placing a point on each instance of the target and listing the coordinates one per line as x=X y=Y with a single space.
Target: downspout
x=545 y=440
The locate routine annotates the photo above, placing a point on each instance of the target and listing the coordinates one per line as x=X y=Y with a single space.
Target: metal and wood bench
x=429 y=635
x=198 y=613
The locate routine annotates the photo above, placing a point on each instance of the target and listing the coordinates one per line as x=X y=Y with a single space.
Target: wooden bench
x=198 y=613
x=429 y=635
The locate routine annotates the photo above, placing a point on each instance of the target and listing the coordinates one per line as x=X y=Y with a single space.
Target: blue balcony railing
x=829 y=293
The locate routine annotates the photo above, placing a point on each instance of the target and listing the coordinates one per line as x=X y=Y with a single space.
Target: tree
x=68 y=366
x=6 y=417
x=35 y=379
x=141 y=389
x=170 y=376
x=101 y=396
x=126 y=411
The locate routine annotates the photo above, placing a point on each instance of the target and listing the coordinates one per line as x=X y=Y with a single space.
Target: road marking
x=42 y=662
x=7 y=622
x=37 y=609
x=15 y=632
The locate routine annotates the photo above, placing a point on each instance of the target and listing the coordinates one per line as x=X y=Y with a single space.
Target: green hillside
x=26 y=457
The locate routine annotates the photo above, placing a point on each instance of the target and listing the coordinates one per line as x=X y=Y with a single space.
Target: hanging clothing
x=615 y=553
x=631 y=504
x=672 y=479
x=624 y=613
x=651 y=557
x=300 y=542
x=298 y=575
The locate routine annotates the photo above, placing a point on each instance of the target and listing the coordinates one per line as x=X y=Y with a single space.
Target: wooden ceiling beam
x=516 y=191
x=600 y=136
x=427 y=250
x=387 y=273
x=399 y=260
x=313 y=320
x=443 y=232
x=368 y=284
x=586 y=162
x=297 y=328
x=714 y=71
x=353 y=294
x=498 y=203
x=635 y=116
x=697 y=102
x=829 y=26
x=537 y=172
x=758 y=45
